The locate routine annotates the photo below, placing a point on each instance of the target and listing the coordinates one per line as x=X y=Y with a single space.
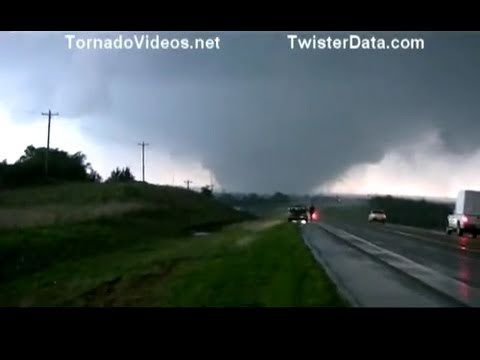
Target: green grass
x=273 y=269
x=71 y=203
x=172 y=212
x=93 y=193
x=148 y=256
x=24 y=251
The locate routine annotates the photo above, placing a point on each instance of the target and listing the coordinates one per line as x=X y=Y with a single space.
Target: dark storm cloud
x=261 y=116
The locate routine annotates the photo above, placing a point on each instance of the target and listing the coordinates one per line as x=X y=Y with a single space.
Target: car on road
x=298 y=214
x=377 y=216
x=466 y=215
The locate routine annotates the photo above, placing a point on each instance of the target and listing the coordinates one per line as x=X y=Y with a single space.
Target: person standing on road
x=311 y=211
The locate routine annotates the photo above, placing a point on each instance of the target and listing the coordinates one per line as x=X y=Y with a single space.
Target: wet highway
x=364 y=280
x=453 y=256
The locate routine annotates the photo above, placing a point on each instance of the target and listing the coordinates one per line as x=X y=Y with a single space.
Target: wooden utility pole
x=143 y=144
x=188 y=182
x=49 y=114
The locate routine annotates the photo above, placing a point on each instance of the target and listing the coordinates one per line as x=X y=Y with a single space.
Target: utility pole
x=49 y=114
x=188 y=182
x=143 y=144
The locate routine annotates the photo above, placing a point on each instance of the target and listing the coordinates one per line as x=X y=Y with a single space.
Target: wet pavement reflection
x=464 y=266
x=454 y=256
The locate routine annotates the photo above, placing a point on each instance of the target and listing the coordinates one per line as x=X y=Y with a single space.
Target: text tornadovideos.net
x=138 y=42
x=353 y=42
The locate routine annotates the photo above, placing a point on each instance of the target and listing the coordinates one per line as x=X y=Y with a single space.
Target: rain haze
x=254 y=115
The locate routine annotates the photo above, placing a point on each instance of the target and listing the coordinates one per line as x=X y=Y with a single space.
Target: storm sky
x=256 y=115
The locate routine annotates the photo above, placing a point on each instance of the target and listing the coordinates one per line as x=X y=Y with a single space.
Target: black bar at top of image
x=232 y=17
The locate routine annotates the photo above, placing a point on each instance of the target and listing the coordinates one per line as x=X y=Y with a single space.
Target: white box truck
x=466 y=215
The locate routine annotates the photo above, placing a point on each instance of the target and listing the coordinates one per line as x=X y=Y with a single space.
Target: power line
x=143 y=144
x=49 y=114
x=188 y=182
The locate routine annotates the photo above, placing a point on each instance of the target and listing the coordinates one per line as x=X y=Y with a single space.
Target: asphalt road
x=365 y=280
x=453 y=256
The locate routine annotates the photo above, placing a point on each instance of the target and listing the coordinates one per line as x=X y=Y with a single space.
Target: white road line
x=436 y=232
x=455 y=289
x=413 y=235
x=442 y=243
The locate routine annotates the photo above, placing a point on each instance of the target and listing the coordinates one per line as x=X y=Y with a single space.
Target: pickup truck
x=298 y=214
x=466 y=216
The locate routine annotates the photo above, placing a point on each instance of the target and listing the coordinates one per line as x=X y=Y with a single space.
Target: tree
x=121 y=175
x=29 y=169
x=207 y=190
x=3 y=170
x=279 y=197
x=228 y=199
x=29 y=154
x=94 y=176
x=252 y=198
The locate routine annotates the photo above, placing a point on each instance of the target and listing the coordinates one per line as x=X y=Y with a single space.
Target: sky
x=254 y=115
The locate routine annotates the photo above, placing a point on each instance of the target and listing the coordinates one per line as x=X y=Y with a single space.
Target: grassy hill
x=46 y=205
x=143 y=245
x=97 y=193
x=59 y=223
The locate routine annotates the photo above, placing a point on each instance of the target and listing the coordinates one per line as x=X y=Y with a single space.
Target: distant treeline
x=259 y=205
x=252 y=199
x=420 y=213
x=29 y=169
